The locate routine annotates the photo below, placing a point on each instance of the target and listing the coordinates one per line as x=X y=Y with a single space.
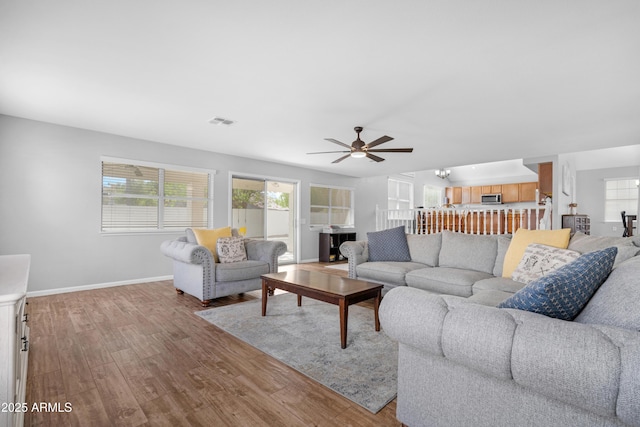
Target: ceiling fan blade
x=327 y=152
x=392 y=150
x=379 y=141
x=341 y=158
x=376 y=158
x=335 y=141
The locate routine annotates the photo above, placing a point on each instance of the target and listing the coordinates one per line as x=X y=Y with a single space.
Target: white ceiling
x=461 y=81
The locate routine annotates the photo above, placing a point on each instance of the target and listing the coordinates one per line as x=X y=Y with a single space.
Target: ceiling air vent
x=221 y=121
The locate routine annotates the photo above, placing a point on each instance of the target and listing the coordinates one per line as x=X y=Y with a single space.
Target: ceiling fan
x=359 y=149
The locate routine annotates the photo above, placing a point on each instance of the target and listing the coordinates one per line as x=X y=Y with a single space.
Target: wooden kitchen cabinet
x=476 y=195
x=486 y=189
x=466 y=195
x=510 y=193
x=528 y=191
x=545 y=179
x=495 y=189
x=454 y=194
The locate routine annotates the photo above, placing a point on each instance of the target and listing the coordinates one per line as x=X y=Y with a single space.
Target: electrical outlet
x=614 y=228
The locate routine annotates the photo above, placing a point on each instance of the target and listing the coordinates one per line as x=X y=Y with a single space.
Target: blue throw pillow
x=563 y=293
x=388 y=245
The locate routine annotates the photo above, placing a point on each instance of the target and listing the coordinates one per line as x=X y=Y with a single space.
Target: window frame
x=397 y=200
x=606 y=199
x=352 y=209
x=162 y=167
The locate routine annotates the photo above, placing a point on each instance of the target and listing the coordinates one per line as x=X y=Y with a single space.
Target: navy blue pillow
x=388 y=245
x=563 y=293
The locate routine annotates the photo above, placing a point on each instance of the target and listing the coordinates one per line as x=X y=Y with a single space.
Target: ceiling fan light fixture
x=443 y=173
x=358 y=154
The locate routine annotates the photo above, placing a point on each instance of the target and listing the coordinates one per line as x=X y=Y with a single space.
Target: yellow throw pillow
x=524 y=237
x=209 y=238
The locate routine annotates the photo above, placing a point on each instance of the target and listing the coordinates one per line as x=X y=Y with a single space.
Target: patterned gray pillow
x=231 y=249
x=388 y=245
x=540 y=260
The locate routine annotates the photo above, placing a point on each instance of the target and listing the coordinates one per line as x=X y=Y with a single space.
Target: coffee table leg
x=376 y=304
x=299 y=300
x=264 y=297
x=344 y=314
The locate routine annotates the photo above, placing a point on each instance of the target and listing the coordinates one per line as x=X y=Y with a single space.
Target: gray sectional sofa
x=450 y=263
x=467 y=364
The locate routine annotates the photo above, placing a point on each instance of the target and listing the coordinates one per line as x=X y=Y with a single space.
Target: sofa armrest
x=595 y=368
x=265 y=250
x=186 y=252
x=356 y=252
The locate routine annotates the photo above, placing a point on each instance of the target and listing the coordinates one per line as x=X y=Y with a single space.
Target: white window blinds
x=144 y=198
x=331 y=206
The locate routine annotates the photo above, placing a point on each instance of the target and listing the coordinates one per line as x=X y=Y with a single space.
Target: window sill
x=141 y=233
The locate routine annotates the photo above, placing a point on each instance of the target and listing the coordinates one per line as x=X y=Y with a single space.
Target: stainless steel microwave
x=492 y=199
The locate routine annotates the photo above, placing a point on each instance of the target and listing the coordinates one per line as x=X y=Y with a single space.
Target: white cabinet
x=14 y=337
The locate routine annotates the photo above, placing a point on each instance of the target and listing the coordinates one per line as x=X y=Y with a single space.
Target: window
x=620 y=195
x=145 y=197
x=432 y=196
x=399 y=194
x=331 y=206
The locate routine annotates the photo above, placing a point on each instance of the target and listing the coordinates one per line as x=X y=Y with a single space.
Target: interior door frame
x=265 y=178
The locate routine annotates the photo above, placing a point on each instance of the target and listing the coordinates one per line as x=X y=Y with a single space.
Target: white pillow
x=231 y=249
x=540 y=260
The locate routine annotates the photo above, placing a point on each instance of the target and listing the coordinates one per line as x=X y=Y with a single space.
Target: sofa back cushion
x=504 y=240
x=425 y=248
x=617 y=302
x=584 y=243
x=468 y=251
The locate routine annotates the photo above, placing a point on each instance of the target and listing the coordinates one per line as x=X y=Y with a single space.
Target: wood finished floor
x=138 y=356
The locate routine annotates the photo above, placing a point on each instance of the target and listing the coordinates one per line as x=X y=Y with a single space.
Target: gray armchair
x=196 y=273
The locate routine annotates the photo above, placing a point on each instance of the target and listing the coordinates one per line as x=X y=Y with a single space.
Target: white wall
x=50 y=185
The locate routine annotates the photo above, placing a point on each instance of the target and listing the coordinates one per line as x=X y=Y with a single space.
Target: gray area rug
x=307 y=338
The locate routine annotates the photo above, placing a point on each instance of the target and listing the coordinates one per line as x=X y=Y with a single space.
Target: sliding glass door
x=265 y=209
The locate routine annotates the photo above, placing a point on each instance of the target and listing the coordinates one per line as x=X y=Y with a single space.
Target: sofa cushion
x=209 y=238
x=231 y=249
x=563 y=293
x=388 y=245
x=583 y=243
x=242 y=270
x=497 y=284
x=617 y=301
x=445 y=280
x=387 y=272
x=490 y=298
x=540 y=260
x=468 y=251
x=504 y=240
x=523 y=238
x=425 y=248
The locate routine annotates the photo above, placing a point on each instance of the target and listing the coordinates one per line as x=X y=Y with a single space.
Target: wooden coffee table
x=330 y=288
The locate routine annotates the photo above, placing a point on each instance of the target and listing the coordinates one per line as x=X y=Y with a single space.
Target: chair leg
x=205 y=303
x=179 y=291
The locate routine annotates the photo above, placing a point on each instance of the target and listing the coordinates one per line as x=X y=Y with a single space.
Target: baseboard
x=97 y=286
x=304 y=261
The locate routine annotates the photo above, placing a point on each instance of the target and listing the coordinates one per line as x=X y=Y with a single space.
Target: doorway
x=266 y=209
